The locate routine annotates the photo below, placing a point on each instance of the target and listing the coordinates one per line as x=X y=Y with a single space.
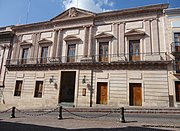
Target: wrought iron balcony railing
x=133 y=57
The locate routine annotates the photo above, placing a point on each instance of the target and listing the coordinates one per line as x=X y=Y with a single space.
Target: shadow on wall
x=9 y=126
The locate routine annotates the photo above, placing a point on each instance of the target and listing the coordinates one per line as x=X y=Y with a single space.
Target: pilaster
x=148 y=38
x=33 y=44
x=55 y=43
x=59 y=43
x=90 y=42
x=122 y=38
x=17 y=48
x=86 y=41
x=15 y=44
x=36 y=45
x=115 y=39
x=155 y=35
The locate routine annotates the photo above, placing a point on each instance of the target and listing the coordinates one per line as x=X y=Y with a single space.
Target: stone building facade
x=83 y=59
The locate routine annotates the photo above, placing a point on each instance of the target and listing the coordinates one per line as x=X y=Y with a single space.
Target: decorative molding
x=73 y=12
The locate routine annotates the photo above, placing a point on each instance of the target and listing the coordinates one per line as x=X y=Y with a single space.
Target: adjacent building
x=83 y=59
x=6 y=37
x=173 y=42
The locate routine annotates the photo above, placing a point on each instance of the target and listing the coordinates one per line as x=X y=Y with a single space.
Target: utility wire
x=27 y=17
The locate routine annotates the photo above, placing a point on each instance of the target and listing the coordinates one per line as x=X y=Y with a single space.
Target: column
x=121 y=38
x=155 y=35
x=148 y=43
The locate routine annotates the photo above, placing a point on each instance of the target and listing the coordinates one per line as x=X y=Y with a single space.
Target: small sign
x=84 y=92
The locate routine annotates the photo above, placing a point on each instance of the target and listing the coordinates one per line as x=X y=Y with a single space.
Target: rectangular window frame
x=134 y=50
x=104 y=56
x=23 y=56
x=18 y=88
x=177 y=91
x=42 y=56
x=70 y=57
x=38 y=92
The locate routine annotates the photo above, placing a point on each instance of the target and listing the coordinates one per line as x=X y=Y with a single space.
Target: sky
x=16 y=12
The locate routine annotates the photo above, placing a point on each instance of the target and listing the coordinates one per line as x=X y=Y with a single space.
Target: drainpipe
x=2 y=61
x=91 y=90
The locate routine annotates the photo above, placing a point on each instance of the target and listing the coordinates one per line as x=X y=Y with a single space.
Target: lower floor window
x=38 y=89
x=177 y=89
x=18 y=88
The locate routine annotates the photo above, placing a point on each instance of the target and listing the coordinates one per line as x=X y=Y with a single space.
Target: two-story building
x=173 y=42
x=80 y=58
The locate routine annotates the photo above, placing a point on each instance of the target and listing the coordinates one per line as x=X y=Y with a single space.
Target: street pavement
x=110 y=121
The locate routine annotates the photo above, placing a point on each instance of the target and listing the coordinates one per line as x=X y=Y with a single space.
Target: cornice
x=148 y=65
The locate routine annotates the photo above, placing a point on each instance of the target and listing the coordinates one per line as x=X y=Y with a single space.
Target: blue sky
x=13 y=12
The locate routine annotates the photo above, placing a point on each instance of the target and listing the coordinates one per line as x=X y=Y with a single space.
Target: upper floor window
x=176 y=37
x=38 y=89
x=24 y=55
x=44 y=54
x=18 y=88
x=103 y=51
x=177 y=61
x=44 y=48
x=71 y=53
x=134 y=50
x=177 y=41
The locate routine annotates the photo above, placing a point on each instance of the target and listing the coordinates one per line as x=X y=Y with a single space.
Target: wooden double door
x=67 y=90
x=102 y=92
x=135 y=94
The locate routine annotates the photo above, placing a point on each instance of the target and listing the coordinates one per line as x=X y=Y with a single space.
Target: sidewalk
x=47 y=123
x=166 y=110
x=109 y=109
x=48 y=120
x=127 y=110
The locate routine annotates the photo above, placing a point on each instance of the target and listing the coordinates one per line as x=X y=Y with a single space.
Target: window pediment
x=45 y=41
x=104 y=35
x=72 y=38
x=134 y=32
x=25 y=43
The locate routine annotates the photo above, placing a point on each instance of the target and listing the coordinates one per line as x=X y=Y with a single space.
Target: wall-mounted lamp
x=51 y=79
x=84 y=80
